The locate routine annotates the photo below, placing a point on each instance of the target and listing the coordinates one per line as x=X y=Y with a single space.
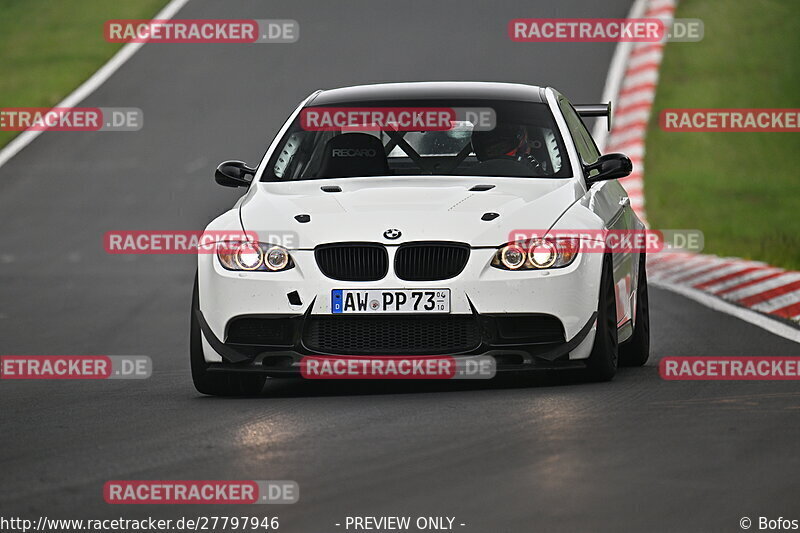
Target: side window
x=287 y=154
x=583 y=140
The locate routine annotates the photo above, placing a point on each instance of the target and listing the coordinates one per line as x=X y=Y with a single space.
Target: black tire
x=216 y=384
x=603 y=361
x=636 y=350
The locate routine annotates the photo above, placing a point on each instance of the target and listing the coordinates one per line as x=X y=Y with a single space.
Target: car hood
x=420 y=207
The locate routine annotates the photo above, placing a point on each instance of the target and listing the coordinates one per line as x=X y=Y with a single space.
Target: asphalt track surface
x=546 y=454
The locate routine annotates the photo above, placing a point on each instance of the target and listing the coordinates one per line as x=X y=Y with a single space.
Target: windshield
x=385 y=138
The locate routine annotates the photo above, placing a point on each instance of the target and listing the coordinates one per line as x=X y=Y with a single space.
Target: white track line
x=752 y=317
x=89 y=86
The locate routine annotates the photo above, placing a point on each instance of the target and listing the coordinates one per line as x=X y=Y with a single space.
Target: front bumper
x=486 y=294
x=510 y=354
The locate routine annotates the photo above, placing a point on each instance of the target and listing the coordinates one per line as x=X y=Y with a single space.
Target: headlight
x=542 y=254
x=512 y=256
x=276 y=258
x=248 y=256
x=536 y=254
x=253 y=256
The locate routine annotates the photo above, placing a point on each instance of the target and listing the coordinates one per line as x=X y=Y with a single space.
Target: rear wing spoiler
x=595 y=110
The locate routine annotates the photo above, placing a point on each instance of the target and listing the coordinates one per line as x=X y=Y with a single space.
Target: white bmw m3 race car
x=423 y=219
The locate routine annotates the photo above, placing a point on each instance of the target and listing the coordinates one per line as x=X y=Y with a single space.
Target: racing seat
x=353 y=154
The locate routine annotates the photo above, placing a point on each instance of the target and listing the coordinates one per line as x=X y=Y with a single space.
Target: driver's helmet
x=502 y=140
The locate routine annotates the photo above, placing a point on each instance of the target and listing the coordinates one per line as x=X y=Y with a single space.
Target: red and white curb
x=757 y=286
x=753 y=291
x=632 y=82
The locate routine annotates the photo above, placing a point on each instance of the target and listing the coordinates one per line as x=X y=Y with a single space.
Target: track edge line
x=90 y=85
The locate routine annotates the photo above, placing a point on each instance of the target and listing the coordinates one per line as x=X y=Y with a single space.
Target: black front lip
x=250 y=358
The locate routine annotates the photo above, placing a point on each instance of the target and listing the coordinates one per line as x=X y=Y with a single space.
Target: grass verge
x=48 y=48
x=741 y=189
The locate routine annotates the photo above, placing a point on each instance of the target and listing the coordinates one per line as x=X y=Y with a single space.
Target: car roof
x=430 y=90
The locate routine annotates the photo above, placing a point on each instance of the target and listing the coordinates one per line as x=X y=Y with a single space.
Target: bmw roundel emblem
x=392 y=234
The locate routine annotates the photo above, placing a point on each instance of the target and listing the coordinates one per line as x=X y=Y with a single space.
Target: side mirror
x=609 y=167
x=234 y=174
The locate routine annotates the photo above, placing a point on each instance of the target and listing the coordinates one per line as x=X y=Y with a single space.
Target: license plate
x=390 y=301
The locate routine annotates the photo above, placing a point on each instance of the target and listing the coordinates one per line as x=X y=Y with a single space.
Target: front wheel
x=636 y=351
x=216 y=384
x=603 y=361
